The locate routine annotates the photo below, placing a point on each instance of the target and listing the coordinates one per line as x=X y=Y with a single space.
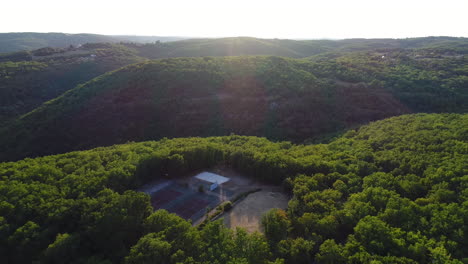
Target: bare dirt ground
x=248 y=212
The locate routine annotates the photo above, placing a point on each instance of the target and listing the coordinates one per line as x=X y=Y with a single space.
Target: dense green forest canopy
x=428 y=80
x=280 y=98
x=394 y=191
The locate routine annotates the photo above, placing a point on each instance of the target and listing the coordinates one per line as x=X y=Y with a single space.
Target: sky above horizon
x=218 y=18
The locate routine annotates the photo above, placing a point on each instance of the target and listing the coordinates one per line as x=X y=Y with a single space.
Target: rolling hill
x=393 y=191
x=280 y=98
x=234 y=46
x=387 y=183
x=28 y=79
x=238 y=46
x=19 y=41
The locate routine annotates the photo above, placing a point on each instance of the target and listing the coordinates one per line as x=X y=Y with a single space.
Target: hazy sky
x=257 y=18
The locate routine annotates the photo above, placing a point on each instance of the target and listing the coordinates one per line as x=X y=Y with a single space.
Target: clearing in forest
x=192 y=196
x=248 y=212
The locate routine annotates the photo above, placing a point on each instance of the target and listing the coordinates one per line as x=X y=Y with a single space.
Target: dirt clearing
x=248 y=212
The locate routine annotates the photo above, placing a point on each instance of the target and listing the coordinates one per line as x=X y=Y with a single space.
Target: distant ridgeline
x=275 y=97
x=394 y=191
x=12 y=42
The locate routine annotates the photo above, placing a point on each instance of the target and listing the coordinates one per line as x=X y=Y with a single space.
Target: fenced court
x=183 y=201
x=189 y=197
x=162 y=197
x=192 y=208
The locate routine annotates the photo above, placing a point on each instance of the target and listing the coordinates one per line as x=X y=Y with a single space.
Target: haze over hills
x=18 y=41
x=12 y=42
x=292 y=48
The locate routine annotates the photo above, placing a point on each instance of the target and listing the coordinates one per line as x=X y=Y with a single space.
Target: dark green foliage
x=330 y=253
x=390 y=192
x=27 y=82
x=426 y=73
x=280 y=98
x=296 y=250
x=275 y=225
x=344 y=84
x=226 y=206
x=429 y=80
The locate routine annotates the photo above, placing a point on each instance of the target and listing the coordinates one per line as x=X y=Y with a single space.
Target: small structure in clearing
x=193 y=195
x=214 y=180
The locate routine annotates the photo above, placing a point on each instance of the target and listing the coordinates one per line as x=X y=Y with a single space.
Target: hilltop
x=279 y=98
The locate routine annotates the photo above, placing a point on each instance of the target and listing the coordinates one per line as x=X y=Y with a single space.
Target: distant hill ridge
x=11 y=42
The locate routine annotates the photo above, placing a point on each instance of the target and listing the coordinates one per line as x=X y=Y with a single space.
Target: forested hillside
x=280 y=98
x=428 y=80
x=28 y=79
x=394 y=191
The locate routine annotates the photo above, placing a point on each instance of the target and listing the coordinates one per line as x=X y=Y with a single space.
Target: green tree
x=150 y=249
x=275 y=224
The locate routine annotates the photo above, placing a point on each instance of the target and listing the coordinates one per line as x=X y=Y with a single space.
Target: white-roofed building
x=214 y=180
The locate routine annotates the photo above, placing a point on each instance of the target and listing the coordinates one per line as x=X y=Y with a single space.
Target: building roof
x=211 y=177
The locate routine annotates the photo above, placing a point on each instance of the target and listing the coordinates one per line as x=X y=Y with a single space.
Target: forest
x=30 y=78
x=263 y=96
x=368 y=138
x=392 y=191
x=66 y=60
